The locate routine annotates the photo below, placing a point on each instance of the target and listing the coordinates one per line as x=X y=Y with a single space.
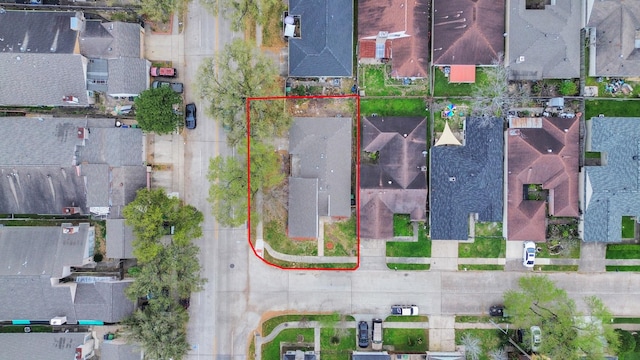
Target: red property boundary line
x=357 y=192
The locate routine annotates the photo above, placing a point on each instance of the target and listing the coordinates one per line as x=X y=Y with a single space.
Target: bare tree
x=498 y=354
x=491 y=98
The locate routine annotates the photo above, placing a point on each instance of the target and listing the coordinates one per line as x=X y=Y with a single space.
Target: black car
x=190 y=116
x=363 y=334
x=496 y=310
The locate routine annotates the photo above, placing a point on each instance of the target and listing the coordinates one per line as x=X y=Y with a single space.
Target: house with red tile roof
x=395 y=31
x=542 y=174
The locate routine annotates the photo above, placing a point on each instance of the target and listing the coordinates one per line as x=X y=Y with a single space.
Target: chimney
x=82 y=133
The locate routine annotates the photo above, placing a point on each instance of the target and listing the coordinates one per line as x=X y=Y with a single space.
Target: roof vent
x=549 y=150
x=636 y=157
x=452 y=178
x=520 y=60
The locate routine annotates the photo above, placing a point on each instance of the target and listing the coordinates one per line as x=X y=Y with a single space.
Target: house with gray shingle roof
x=544 y=42
x=324 y=46
x=61 y=58
x=611 y=190
x=395 y=182
x=320 y=181
x=119 y=238
x=56 y=162
x=467 y=180
x=37 y=282
x=50 y=346
x=614 y=38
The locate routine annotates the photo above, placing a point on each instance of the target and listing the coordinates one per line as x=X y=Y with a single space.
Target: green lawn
x=270 y=324
x=402 y=225
x=421 y=248
x=623 y=251
x=559 y=267
x=483 y=247
x=20 y=328
x=271 y=350
x=624 y=320
x=337 y=344
x=414 y=267
x=373 y=81
x=487 y=229
x=481 y=267
x=407 y=340
x=489 y=339
x=622 y=108
x=395 y=318
x=393 y=107
x=633 y=268
x=592 y=155
x=441 y=86
x=628 y=227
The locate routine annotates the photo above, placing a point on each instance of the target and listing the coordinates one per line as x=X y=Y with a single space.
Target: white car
x=536 y=338
x=404 y=310
x=529 y=254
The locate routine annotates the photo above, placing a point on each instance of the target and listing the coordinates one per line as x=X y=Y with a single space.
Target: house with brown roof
x=542 y=174
x=395 y=31
x=467 y=32
x=392 y=173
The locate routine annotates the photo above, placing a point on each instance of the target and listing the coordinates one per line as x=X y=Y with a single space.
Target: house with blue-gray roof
x=322 y=45
x=612 y=189
x=467 y=180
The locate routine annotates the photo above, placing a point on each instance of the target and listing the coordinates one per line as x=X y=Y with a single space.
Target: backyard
x=442 y=87
x=393 y=107
x=611 y=108
x=375 y=80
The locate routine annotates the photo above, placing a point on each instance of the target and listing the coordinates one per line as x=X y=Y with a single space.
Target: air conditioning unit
x=58 y=320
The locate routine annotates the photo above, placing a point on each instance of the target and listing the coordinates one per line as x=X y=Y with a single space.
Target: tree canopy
x=241 y=11
x=243 y=72
x=566 y=332
x=168 y=274
x=157 y=10
x=491 y=96
x=154 y=110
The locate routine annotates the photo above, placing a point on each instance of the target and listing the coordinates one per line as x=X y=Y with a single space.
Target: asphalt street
x=241 y=288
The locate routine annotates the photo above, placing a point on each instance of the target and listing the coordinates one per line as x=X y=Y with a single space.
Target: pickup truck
x=404 y=310
x=163 y=71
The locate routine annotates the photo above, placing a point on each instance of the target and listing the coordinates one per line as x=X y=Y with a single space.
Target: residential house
x=544 y=40
x=50 y=346
x=466 y=179
x=614 y=38
x=395 y=31
x=467 y=32
x=370 y=355
x=542 y=174
x=323 y=44
x=299 y=355
x=57 y=163
x=38 y=280
x=61 y=58
x=320 y=181
x=612 y=189
x=118 y=349
x=392 y=173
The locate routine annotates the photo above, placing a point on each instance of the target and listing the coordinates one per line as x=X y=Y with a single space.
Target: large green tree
x=566 y=332
x=151 y=214
x=240 y=11
x=228 y=181
x=158 y=10
x=154 y=110
x=239 y=72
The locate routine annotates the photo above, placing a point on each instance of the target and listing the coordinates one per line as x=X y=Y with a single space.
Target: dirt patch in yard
x=322 y=107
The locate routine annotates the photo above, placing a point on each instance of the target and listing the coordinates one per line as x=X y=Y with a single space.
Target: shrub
x=627 y=341
x=568 y=88
x=97 y=257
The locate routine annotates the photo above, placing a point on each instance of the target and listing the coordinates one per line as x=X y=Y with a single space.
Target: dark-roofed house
x=370 y=355
x=614 y=38
x=392 y=173
x=544 y=42
x=119 y=238
x=50 y=346
x=396 y=30
x=61 y=59
x=467 y=180
x=118 y=349
x=324 y=46
x=467 y=32
x=320 y=182
x=56 y=162
x=612 y=190
x=37 y=281
x=542 y=164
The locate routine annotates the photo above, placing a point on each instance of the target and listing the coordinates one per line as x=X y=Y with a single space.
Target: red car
x=162 y=71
